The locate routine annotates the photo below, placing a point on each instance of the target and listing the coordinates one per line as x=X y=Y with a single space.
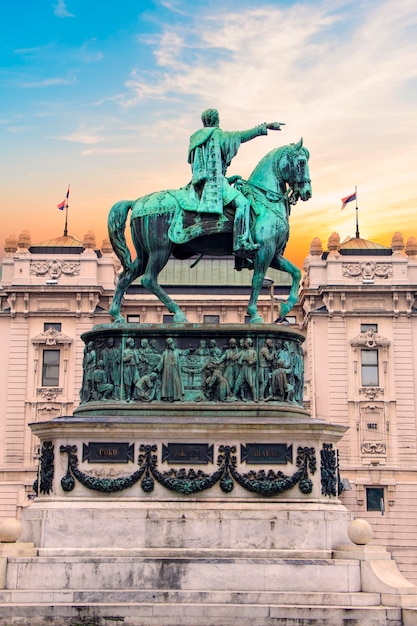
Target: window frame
x=380 y=496
x=55 y=325
x=51 y=365
x=207 y=321
x=367 y=378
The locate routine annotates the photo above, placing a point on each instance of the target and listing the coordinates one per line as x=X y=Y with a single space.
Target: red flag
x=61 y=206
x=350 y=198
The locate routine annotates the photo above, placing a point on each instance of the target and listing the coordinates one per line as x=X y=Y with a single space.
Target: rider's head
x=210 y=117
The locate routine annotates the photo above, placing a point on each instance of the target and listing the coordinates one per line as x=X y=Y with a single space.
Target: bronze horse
x=277 y=182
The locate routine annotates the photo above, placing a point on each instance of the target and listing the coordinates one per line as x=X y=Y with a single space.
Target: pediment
x=51 y=337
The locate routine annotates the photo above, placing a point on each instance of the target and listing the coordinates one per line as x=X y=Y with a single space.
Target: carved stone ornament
x=55 y=268
x=371 y=392
x=49 y=394
x=367 y=271
x=51 y=337
x=49 y=409
x=370 y=339
x=373 y=448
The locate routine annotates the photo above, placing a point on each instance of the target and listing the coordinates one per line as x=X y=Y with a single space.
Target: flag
x=350 y=198
x=61 y=205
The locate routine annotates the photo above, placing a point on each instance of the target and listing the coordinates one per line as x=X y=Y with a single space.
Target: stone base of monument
x=192 y=513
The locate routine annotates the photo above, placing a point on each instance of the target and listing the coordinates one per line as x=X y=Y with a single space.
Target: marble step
x=189 y=553
x=156 y=596
x=196 y=614
x=221 y=574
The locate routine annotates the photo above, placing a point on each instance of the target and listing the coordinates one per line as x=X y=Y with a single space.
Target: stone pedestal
x=215 y=506
x=246 y=481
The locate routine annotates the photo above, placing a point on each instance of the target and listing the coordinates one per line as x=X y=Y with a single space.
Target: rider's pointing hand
x=275 y=125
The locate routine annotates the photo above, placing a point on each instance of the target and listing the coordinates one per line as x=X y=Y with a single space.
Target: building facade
x=360 y=319
x=357 y=310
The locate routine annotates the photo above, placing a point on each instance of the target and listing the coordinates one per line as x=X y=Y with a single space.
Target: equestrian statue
x=215 y=215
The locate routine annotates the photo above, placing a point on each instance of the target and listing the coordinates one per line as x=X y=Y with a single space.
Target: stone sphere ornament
x=10 y=530
x=360 y=532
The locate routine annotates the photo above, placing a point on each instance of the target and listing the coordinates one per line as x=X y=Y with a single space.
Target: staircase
x=194 y=588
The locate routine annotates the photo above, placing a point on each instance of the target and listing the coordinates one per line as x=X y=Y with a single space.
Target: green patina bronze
x=133 y=364
x=190 y=481
x=215 y=215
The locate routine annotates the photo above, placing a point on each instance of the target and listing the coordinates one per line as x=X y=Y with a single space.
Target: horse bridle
x=296 y=173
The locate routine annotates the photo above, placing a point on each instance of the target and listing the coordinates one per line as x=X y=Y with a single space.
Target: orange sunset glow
x=106 y=101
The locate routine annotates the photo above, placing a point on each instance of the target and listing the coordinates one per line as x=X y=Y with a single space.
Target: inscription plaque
x=271 y=453
x=100 y=452
x=198 y=453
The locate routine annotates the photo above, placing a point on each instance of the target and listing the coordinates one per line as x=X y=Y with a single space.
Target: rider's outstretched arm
x=261 y=129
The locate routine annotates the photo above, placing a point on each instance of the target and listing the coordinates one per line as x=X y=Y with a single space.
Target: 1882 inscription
x=99 y=452
x=257 y=453
x=198 y=453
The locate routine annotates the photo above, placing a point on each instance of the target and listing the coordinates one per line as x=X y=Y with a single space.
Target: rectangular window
x=133 y=319
x=370 y=376
x=375 y=499
x=167 y=319
x=50 y=368
x=211 y=319
x=365 y=327
x=55 y=325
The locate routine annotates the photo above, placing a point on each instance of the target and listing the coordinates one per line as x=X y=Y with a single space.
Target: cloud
x=60 y=9
x=48 y=82
x=18 y=129
x=287 y=58
x=80 y=137
x=90 y=151
x=174 y=6
x=87 y=54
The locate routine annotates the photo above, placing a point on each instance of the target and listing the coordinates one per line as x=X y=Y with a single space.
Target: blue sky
x=104 y=95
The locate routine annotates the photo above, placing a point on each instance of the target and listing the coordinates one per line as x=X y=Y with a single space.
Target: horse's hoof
x=179 y=318
x=119 y=320
x=256 y=319
x=283 y=309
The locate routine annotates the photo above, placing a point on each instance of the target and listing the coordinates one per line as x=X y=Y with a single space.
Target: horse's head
x=292 y=169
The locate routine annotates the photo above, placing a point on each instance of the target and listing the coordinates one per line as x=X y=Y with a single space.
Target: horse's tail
x=116 y=224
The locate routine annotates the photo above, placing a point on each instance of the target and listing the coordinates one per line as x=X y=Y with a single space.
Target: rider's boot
x=244 y=246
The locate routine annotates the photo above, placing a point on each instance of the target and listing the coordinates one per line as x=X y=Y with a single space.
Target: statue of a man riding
x=210 y=153
x=209 y=216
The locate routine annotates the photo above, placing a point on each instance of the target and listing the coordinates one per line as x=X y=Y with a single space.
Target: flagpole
x=66 y=220
x=357 y=213
x=66 y=214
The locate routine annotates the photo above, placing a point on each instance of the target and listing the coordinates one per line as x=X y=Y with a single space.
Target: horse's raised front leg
x=125 y=279
x=157 y=261
x=279 y=263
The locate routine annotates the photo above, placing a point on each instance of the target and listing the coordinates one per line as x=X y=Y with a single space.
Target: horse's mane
x=267 y=169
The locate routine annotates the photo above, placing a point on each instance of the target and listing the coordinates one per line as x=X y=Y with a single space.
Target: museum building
x=356 y=310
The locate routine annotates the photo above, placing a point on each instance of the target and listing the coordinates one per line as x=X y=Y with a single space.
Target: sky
x=103 y=95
